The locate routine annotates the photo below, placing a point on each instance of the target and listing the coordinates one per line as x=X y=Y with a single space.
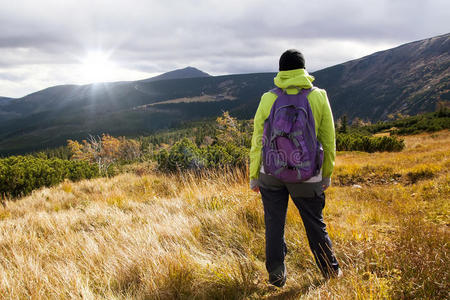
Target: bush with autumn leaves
x=104 y=151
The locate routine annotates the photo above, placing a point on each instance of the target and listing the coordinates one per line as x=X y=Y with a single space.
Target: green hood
x=297 y=77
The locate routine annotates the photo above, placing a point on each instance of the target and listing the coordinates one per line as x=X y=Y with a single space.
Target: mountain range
x=408 y=79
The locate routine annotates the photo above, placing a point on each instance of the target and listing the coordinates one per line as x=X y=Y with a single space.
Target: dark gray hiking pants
x=310 y=201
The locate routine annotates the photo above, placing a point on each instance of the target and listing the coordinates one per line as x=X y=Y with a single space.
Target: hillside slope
x=409 y=79
x=4 y=100
x=164 y=237
x=50 y=117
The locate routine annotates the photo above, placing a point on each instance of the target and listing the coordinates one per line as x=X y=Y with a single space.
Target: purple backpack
x=291 y=151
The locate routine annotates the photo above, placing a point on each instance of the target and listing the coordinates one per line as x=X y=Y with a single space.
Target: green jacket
x=321 y=110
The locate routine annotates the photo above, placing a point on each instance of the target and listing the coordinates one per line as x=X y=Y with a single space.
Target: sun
x=96 y=67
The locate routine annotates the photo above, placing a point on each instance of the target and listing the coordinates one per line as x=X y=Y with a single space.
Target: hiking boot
x=278 y=276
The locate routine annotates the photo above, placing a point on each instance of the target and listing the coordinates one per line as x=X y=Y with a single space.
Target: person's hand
x=254 y=185
x=326 y=182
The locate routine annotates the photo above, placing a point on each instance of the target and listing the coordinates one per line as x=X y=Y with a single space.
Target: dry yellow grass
x=171 y=237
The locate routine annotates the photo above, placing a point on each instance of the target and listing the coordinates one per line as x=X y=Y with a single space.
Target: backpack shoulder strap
x=308 y=91
x=277 y=91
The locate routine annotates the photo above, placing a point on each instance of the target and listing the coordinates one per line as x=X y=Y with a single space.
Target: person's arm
x=326 y=136
x=261 y=115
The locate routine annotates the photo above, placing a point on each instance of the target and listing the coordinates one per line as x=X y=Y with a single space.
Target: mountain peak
x=188 y=72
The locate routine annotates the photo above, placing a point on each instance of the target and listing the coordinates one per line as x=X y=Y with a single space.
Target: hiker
x=293 y=154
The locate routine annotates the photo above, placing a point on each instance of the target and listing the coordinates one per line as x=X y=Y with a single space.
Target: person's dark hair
x=292 y=59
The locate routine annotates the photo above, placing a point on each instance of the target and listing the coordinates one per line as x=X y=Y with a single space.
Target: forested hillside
x=409 y=79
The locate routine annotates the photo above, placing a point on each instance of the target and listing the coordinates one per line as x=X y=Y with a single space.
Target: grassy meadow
x=145 y=235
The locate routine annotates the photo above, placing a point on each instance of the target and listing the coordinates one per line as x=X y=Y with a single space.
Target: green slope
x=409 y=79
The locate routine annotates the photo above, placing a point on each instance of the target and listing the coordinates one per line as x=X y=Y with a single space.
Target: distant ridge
x=188 y=72
x=408 y=79
x=4 y=100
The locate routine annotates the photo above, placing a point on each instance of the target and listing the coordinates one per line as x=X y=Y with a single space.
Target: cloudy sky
x=49 y=42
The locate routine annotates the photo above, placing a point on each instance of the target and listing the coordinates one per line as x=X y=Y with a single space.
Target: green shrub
x=19 y=175
x=185 y=155
x=429 y=122
x=355 y=142
x=217 y=156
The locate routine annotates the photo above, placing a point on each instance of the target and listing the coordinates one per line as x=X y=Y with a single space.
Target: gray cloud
x=41 y=39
